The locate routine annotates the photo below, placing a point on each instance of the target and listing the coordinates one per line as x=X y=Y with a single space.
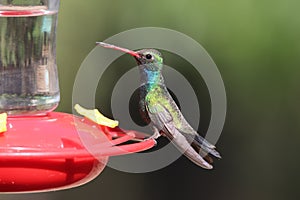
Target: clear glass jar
x=28 y=71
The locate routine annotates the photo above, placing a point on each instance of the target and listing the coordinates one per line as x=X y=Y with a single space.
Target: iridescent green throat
x=151 y=79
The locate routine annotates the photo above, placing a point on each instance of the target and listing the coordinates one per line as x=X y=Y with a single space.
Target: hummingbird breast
x=159 y=95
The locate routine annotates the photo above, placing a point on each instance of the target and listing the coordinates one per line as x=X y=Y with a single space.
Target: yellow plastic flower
x=96 y=116
x=3 y=121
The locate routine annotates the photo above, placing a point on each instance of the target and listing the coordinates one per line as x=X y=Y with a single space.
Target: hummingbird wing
x=163 y=120
x=201 y=144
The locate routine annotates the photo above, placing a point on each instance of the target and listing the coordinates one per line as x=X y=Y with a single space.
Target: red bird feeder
x=43 y=150
x=49 y=152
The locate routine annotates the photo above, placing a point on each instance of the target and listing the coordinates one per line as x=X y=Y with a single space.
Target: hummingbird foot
x=156 y=133
x=154 y=136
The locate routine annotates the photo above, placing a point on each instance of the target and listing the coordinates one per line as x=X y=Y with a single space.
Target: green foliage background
x=255 y=44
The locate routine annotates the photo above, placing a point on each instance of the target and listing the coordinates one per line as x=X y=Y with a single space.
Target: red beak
x=110 y=46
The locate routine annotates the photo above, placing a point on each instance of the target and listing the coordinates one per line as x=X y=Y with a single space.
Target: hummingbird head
x=147 y=59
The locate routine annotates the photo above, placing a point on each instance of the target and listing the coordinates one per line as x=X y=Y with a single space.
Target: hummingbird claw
x=150 y=138
x=156 y=133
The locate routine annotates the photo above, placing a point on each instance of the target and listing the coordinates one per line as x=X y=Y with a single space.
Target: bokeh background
x=256 y=46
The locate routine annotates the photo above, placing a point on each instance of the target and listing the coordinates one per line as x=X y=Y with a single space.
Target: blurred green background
x=255 y=44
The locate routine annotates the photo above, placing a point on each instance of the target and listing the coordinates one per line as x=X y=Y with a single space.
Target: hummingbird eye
x=148 y=56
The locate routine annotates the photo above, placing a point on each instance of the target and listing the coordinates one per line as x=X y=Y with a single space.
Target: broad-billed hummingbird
x=159 y=108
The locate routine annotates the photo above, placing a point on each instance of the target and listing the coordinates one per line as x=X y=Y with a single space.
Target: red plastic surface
x=58 y=151
x=22 y=13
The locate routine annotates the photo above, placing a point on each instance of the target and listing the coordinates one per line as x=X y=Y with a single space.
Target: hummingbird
x=159 y=108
